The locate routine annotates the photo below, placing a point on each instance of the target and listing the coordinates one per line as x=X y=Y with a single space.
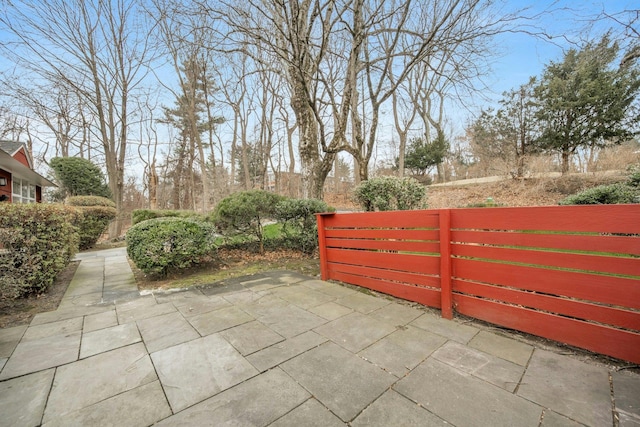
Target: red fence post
x=445 y=264
x=322 y=245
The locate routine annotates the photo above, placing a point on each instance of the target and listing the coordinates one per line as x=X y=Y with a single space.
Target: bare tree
x=99 y=50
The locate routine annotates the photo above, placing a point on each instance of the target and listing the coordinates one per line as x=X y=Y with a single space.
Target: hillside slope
x=517 y=192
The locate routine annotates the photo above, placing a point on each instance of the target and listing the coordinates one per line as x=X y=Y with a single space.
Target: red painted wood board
x=588 y=218
x=395 y=219
x=379 y=233
x=387 y=274
x=601 y=339
x=616 y=317
x=426 y=296
x=403 y=262
x=611 y=290
x=599 y=263
x=388 y=245
x=600 y=243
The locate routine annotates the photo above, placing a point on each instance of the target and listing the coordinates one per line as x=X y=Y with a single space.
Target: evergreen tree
x=584 y=100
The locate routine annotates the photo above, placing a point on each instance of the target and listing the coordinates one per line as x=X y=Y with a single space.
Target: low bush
x=246 y=212
x=388 y=193
x=299 y=224
x=140 y=215
x=97 y=213
x=160 y=245
x=38 y=241
x=603 y=195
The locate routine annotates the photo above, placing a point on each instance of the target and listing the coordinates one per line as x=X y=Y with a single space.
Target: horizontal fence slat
x=390 y=275
x=596 y=243
x=598 y=338
x=566 y=307
x=425 y=296
x=394 y=261
x=389 y=245
x=399 y=219
x=585 y=262
x=367 y=233
x=618 y=291
x=586 y=218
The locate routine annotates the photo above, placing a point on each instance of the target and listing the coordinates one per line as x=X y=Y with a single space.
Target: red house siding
x=21 y=156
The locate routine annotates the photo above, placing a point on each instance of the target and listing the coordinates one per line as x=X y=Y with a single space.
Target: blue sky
x=524 y=56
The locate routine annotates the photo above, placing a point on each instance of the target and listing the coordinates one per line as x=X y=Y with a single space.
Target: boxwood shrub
x=140 y=215
x=604 y=194
x=158 y=246
x=97 y=213
x=37 y=241
x=299 y=222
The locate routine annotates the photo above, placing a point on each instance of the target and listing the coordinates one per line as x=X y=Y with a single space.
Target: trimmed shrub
x=140 y=215
x=245 y=212
x=388 y=193
x=158 y=246
x=97 y=213
x=38 y=242
x=299 y=222
x=604 y=195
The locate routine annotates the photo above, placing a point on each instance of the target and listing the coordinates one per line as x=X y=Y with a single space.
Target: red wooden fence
x=568 y=273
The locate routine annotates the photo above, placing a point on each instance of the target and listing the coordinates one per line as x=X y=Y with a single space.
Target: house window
x=23 y=192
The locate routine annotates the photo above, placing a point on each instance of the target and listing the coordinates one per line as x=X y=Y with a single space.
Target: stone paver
x=490 y=368
x=503 y=347
x=570 y=387
x=207 y=366
x=330 y=310
x=102 y=340
x=291 y=320
x=251 y=337
x=9 y=339
x=447 y=328
x=219 y=320
x=463 y=400
x=285 y=350
x=393 y=409
x=279 y=349
x=194 y=306
x=43 y=353
x=310 y=414
x=402 y=350
x=106 y=319
x=626 y=389
x=340 y=380
x=141 y=406
x=355 y=331
x=62 y=327
x=22 y=400
x=362 y=302
x=396 y=314
x=165 y=331
x=256 y=402
x=92 y=380
x=302 y=297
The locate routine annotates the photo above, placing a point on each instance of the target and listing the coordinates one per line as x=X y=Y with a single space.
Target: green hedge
x=140 y=215
x=618 y=193
x=386 y=193
x=158 y=246
x=39 y=241
x=299 y=222
x=97 y=213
